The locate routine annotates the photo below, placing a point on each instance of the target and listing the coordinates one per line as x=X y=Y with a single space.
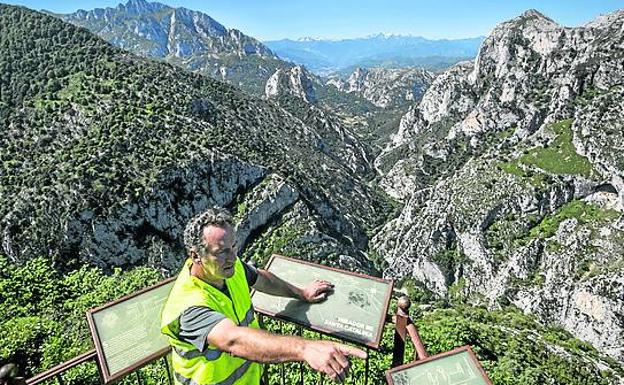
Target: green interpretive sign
x=355 y=311
x=127 y=333
x=457 y=367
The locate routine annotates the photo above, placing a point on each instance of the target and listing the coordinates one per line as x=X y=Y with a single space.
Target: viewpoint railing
x=404 y=329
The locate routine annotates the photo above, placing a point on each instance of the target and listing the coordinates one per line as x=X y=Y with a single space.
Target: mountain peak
x=156 y=30
x=141 y=6
x=533 y=15
x=296 y=81
x=607 y=20
x=136 y=3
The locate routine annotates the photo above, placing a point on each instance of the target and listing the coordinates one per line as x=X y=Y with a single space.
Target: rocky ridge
x=296 y=82
x=386 y=88
x=132 y=148
x=295 y=90
x=183 y=37
x=511 y=175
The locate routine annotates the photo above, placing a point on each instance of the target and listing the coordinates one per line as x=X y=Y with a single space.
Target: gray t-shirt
x=197 y=321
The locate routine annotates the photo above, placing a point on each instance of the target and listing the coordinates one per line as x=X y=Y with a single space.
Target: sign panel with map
x=457 y=367
x=127 y=333
x=355 y=311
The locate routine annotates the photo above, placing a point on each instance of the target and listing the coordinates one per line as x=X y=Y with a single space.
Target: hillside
x=107 y=156
x=501 y=215
x=194 y=41
x=511 y=173
x=184 y=37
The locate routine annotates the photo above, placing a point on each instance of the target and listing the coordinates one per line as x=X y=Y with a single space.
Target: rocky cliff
x=107 y=155
x=511 y=174
x=387 y=88
x=183 y=37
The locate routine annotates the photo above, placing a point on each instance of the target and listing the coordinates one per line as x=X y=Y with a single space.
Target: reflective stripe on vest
x=209 y=354
x=237 y=374
x=248 y=317
x=212 y=354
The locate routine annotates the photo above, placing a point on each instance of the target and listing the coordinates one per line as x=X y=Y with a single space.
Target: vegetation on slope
x=88 y=128
x=558 y=157
x=44 y=323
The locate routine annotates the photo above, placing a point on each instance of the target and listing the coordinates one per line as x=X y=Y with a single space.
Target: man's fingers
x=319 y=297
x=324 y=289
x=351 y=351
x=331 y=372
x=321 y=292
x=340 y=374
x=341 y=359
x=323 y=283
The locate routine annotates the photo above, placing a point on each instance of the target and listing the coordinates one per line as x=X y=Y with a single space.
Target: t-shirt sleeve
x=195 y=324
x=251 y=273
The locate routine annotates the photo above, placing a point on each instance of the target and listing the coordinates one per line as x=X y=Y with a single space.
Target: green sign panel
x=127 y=332
x=457 y=367
x=356 y=311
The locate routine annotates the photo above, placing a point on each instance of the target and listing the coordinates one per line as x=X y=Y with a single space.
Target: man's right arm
x=260 y=346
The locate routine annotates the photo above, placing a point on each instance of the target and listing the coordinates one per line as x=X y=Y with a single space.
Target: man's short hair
x=193 y=233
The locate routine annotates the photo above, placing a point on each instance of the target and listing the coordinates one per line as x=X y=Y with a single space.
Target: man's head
x=210 y=240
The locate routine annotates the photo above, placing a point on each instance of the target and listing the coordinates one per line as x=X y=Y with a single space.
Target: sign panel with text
x=127 y=333
x=457 y=367
x=355 y=311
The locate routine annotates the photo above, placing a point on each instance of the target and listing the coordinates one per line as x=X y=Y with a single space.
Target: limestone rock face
x=387 y=88
x=264 y=202
x=599 y=135
x=529 y=71
x=149 y=230
x=187 y=38
x=157 y=30
x=296 y=81
x=511 y=172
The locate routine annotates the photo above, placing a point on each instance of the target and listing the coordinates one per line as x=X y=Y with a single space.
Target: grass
x=582 y=211
x=74 y=86
x=513 y=167
x=560 y=157
x=506 y=133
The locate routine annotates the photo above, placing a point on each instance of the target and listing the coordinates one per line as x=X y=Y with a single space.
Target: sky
x=342 y=19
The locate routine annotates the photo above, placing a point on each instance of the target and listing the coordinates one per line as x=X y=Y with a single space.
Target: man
x=209 y=317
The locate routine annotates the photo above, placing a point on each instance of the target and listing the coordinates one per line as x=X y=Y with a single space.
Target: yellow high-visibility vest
x=211 y=366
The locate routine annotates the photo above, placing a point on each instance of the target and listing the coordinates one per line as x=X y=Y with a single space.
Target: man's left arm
x=269 y=283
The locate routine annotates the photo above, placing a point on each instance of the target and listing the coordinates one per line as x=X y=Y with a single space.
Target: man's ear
x=195 y=257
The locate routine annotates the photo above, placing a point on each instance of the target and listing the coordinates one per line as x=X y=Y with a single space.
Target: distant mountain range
x=389 y=51
x=186 y=38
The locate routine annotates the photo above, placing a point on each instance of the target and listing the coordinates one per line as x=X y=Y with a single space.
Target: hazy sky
x=275 y=19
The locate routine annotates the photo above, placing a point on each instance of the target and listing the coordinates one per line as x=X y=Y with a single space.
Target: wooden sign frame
x=386 y=303
x=465 y=348
x=107 y=376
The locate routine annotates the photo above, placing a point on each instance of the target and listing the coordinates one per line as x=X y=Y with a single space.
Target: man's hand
x=330 y=358
x=317 y=291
